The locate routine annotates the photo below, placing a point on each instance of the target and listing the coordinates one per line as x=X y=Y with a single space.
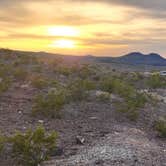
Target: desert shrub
x=104 y=97
x=20 y=74
x=115 y=85
x=54 y=83
x=5 y=70
x=49 y=104
x=132 y=104
x=25 y=59
x=32 y=147
x=160 y=126
x=37 y=68
x=85 y=71
x=4 y=85
x=136 y=76
x=2 y=142
x=78 y=89
x=39 y=82
x=156 y=81
x=66 y=71
x=133 y=100
x=53 y=62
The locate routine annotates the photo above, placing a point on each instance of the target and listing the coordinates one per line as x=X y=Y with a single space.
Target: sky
x=84 y=27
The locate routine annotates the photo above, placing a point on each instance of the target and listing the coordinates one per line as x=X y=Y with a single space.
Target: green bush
x=33 y=147
x=49 y=104
x=156 y=81
x=85 y=71
x=115 y=85
x=161 y=128
x=39 y=82
x=78 y=89
x=20 y=74
x=133 y=100
x=2 y=141
x=66 y=71
x=24 y=59
x=5 y=70
x=4 y=85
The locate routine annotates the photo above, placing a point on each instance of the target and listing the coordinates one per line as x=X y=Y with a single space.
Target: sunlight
x=63 y=31
x=63 y=43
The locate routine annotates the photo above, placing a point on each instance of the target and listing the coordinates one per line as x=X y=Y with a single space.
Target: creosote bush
x=39 y=82
x=66 y=71
x=5 y=70
x=4 y=85
x=133 y=100
x=32 y=147
x=20 y=74
x=85 y=71
x=49 y=104
x=156 y=81
x=78 y=89
x=160 y=126
x=2 y=141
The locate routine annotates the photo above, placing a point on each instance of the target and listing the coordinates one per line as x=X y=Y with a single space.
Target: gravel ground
x=128 y=147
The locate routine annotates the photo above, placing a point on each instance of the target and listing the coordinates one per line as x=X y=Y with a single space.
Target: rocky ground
x=108 y=137
x=90 y=132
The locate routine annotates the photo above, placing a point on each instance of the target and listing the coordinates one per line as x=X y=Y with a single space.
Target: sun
x=63 y=43
x=65 y=31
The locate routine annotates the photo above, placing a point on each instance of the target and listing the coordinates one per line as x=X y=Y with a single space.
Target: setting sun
x=63 y=43
x=63 y=31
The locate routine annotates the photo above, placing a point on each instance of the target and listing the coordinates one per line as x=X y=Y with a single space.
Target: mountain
x=136 y=58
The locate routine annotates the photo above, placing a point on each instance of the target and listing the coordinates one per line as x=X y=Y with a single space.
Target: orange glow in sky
x=102 y=28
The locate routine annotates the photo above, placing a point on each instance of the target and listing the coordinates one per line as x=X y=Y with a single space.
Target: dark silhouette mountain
x=136 y=58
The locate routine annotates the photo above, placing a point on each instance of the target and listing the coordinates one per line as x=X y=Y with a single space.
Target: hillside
x=136 y=58
x=90 y=114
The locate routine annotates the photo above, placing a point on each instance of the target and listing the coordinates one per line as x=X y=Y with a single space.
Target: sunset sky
x=80 y=27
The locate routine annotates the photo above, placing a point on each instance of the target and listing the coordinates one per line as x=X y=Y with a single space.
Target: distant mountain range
x=134 y=58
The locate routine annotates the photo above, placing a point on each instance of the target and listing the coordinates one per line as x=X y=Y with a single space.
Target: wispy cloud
x=129 y=24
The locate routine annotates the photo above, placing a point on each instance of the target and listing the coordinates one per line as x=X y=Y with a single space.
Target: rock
x=25 y=86
x=99 y=162
x=99 y=93
x=80 y=140
x=41 y=121
x=158 y=97
x=116 y=98
x=20 y=112
x=144 y=91
x=93 y=118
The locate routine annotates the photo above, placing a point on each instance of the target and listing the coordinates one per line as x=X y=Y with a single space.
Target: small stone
x=80 y=140
x=41 y=121
x=93 y=118
x=24 y=86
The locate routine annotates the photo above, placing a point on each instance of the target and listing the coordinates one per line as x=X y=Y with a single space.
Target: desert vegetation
x=30 y=148
x=160 y=126
x=71 y=98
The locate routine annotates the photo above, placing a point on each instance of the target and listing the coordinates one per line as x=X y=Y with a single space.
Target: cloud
x=133 y=23
x=145 y=4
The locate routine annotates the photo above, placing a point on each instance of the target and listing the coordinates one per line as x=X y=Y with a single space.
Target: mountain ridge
x=133 y=58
